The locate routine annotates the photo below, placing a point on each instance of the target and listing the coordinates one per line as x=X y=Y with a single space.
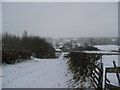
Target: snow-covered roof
x=57 y=49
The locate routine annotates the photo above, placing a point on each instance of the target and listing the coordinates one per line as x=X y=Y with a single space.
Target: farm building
x=58 y=52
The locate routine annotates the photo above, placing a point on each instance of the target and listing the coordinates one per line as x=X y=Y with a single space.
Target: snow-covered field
x=108 y=62
x=47 y=73
x=107 y=47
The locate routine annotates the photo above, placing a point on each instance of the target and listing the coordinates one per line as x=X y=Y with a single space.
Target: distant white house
x=58 y=52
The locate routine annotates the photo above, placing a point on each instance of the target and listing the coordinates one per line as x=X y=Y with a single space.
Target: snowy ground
x=37 y=73
x=108 y=62
x=107 y=47
x=47 y=73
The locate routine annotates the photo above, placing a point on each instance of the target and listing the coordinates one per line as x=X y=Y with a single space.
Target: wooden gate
x=97 y=76
x=107 y=82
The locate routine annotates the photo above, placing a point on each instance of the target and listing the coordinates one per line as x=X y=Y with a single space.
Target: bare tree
x=25 y=34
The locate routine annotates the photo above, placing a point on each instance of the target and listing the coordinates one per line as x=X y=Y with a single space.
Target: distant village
x=68 y=44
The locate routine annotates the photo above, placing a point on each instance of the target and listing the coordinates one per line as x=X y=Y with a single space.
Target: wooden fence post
x=105 y=79
x=101 y=75
x=117 y=73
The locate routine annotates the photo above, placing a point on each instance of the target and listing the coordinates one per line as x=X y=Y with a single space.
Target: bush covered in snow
x=72 y=46
x=35 y=44
x=13 y=56
x=86 y=47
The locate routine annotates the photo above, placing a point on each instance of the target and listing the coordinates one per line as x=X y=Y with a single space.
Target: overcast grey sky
x=0 y=17
x=89 y=19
